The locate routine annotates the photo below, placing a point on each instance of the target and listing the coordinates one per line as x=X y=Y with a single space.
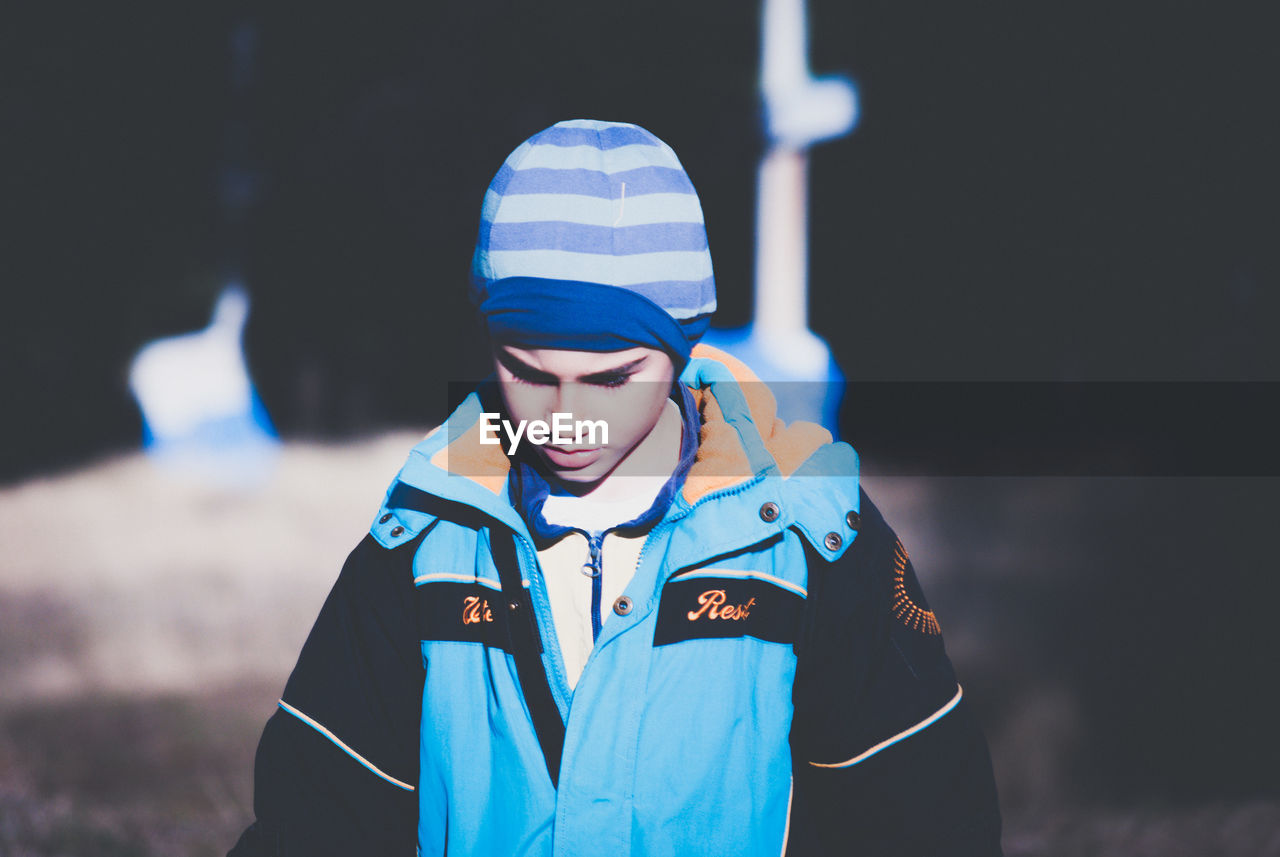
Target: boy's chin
x=579 y=477
x=572 y=472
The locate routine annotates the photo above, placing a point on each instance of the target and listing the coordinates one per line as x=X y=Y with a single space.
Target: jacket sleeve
x=337 y=766
x=887 y=756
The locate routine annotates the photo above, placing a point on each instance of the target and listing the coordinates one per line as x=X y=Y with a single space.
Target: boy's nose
x=568 y=399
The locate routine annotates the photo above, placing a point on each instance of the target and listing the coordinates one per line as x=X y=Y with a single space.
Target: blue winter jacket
x=774 y=682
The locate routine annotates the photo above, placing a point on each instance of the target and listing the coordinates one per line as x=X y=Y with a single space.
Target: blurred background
x=1034 y=195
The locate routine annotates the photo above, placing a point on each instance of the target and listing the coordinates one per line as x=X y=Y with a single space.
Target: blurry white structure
x=800 y=110
x=200 y=413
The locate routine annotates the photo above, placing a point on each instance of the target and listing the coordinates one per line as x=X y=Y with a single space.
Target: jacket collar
x=742 y=445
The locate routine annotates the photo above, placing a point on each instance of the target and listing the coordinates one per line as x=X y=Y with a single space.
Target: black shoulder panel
x=871 y=662
x=886 y=756
x=337 y=766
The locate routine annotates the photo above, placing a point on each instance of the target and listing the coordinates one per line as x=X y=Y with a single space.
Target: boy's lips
x=571 y=458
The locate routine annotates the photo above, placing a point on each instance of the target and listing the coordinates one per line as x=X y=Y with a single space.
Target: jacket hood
x=742 y=444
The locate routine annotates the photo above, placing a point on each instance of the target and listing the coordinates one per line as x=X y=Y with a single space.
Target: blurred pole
x=799 y=111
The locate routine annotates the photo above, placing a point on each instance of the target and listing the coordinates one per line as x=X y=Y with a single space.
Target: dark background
x=1034 y=192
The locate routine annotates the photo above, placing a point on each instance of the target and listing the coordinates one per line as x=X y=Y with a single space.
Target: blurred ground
x=147 y=626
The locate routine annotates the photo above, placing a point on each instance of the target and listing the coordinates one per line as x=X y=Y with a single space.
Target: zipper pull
x=596 y=542
x=593 y=567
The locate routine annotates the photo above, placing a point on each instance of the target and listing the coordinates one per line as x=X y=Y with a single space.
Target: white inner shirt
x=566 y=562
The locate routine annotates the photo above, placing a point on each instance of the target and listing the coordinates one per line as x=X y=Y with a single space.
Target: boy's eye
x=611 y=380
x=532 y=378
x=522 y=374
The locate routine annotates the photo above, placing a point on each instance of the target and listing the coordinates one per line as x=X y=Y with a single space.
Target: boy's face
x=626 y=389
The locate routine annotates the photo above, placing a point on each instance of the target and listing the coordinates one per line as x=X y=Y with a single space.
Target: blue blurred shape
x=201 y=415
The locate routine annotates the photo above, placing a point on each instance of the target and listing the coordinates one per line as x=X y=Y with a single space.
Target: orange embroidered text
x=714 y=607
x=475 y=609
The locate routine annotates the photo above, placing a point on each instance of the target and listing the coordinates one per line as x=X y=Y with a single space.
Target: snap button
x=833 y=541
x=396 y=530
x=513 y=605
x=385 y=518
x=622 y=606
x=853 y=519
x=769 y=512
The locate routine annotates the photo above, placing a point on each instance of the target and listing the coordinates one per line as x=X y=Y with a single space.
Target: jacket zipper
x=715 y=495
x=595 y=541
x=559 y=688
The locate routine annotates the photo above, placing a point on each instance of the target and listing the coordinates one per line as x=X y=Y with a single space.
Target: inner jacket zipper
x=595 y=541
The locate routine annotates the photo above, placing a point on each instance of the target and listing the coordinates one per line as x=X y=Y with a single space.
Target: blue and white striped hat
x=592 y=238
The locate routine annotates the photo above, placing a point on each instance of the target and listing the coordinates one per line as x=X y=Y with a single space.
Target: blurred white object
x=800 y=110
x=200 y=413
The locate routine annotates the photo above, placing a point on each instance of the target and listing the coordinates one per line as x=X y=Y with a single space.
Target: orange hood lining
x=721 y=460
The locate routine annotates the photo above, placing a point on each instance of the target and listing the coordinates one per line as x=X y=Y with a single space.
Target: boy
x=683 y=630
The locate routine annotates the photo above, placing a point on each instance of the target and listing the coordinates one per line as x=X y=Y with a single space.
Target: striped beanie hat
x=592 y=239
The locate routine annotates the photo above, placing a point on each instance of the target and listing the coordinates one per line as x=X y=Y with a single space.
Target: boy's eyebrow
x=515 y=364
x=617 y=370
x=518 y=366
